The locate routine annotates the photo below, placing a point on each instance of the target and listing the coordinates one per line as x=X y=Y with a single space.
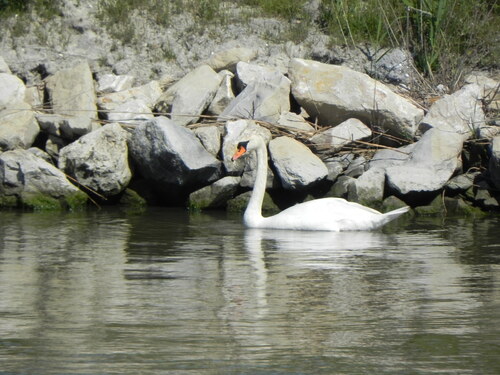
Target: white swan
x=328 y=214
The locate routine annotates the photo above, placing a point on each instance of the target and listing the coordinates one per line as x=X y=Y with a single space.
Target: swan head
x=247 y=146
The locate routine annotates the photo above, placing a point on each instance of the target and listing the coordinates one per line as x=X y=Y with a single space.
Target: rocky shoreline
x=331 y=131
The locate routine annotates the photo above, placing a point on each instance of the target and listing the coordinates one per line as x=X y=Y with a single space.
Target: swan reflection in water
x=308 y=250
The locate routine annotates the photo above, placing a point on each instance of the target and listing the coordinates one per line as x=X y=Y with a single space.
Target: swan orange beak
x=241 y=150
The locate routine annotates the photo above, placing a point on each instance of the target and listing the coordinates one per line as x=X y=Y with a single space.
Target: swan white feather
x=326 y=214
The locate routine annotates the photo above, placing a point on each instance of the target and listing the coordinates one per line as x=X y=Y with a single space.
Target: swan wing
x=332 y=214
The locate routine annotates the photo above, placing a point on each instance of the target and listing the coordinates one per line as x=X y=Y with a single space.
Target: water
x=166 y=292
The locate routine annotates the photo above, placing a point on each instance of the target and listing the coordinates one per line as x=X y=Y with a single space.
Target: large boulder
x=388 y=157
x=99 y=160
x=260 y=100
x=71 y=91
x=334 y=94
x=171 y=156
x=296 y=166
x=133 y=104
x=432 y=162
x=186 y=100
x=460 y=112
x=247 y=74
x=12 y=91
x=29 y=181
x=18 y=127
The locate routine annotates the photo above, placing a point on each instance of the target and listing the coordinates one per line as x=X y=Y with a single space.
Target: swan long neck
x=254 y=208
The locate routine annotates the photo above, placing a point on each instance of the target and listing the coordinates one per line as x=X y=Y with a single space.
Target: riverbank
x=75 y=135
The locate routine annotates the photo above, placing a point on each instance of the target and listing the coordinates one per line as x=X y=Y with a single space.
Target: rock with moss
x=341 y=187
x=434 y=208
x=131 y=198
x=239 y=204
x=215 y=195
x=30 y=182
x=368 y=189
x=459 y=207
x=392 y=203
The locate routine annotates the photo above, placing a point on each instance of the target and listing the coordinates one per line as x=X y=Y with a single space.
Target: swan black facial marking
x=242 y=144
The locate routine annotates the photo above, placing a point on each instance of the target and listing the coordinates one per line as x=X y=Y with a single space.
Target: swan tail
x=391 y=215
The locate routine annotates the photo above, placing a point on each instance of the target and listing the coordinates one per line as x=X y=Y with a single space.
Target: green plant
x=352 y=22
x=44 y=8
x=281 y=8
x=446 y=37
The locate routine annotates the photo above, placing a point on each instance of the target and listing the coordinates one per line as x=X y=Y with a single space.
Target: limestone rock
x=263 y=101
x=335 y=168
x=462 y=182
x=135 y=103
x=460 y=112
x=190 y=96
x=12 y=91
x=334 y=94
x=68 y=127
x=368 y=189
x=215 y=195
x=346 y=133
x=433 y=161
x=296 y=166
x=224 y=94
x=228 y=59
x=18 y=127
x=34 y=96
x=395 y=66
x=210 y=138
x=247 y=74
x=357 y=166
x=292 y=121
x=341 y=187
x=99 y=160
x=385 y=158
x=108 y=83
x=169 y=155
x=132 y=111
x=71 y=91
x=30 y=179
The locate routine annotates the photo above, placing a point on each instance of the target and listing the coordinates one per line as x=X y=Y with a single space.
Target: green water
x=165 y=292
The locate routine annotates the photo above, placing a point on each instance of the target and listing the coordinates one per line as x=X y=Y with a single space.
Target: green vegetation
x=279 y=8
x=446 y=37
x=44 y=8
